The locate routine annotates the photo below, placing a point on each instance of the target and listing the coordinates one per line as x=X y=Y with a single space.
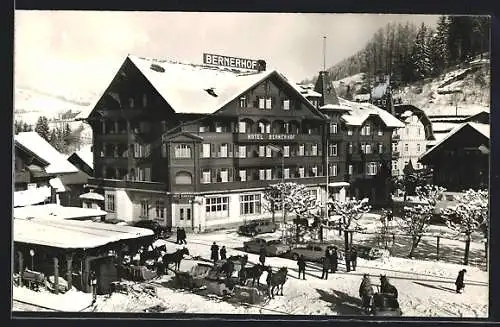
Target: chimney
x=261 y=65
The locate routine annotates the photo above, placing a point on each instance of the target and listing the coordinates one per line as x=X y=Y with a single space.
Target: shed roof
x=41 y=148
x=55 y=211
x=71 y=234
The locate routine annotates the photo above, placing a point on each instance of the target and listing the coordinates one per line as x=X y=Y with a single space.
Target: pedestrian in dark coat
x=223 y=253
x=326 y=267
x=214 y=249
x=354 y=258
x=348 y=260
x=183 y=236
x=301 y=262
x=262 y=257
x=178 y=234
x=93 y=285
x=334 y=260
x=460 y=281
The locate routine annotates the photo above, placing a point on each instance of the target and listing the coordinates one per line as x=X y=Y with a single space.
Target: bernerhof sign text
x=213 y=59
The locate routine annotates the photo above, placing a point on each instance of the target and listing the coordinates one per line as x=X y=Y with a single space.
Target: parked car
x=257 y=227
x=272 y=247
x=311 y=251
x=159 y=230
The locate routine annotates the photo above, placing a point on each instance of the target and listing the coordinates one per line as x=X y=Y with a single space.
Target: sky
x=80 y=51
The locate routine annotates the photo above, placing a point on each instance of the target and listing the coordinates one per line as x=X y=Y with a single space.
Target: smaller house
x=460 y=161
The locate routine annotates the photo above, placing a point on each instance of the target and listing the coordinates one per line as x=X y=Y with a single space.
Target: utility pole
x=327 y=130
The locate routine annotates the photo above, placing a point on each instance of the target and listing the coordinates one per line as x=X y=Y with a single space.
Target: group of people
x=330 y=262
x=216 y=253
x=181 y=236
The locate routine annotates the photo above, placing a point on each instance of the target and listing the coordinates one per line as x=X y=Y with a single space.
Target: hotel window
x=262 y=174
x=314 y=171
x=203 y=129
x=250 y=204
x=380 y=131
x=286 y=173
x=406 y=147
x=110 y=202
x=269 y=152
x=262 y=103
x=242 y=151
x=350 y=148
x=314 y=150
x=394 y=165
x=160 y=209
x=365 y=130
x=145 y=208
x=242 y=127
x=286 y=104
x=264 y=128
x=182 y=151
x=243 y=175
x=286 y=128
x=269 y=174
x=333 y=170
x=144 y=174
x=380 y=148
x=301 y=172
x=418 y=147
x=262 y=151
x=205 y=150
x=371 y=168
x=144 y=100
x=224 y=175
x=217 y=207
x=333 y=128
x=269 y=102
x=332 y=150
x=218 y=127
x=394 y=147
x=205 y=176
x=350 y=169
x=349 y=131
x=301 y=150
x=368 y=148
x=243 y=102
x=223 y=151
x=286 y=151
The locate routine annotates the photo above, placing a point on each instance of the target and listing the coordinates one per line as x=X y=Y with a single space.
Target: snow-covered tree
x=42 y=127
x=470 y=215
x=416 y=219
x=439 y=46
x=350 y=212
x=272 y=197
x=421 y=56
x=385 y=219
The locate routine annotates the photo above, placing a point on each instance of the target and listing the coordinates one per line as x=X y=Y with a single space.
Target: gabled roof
x=190 y=88
x=42 y=149
x=483 y=129
x=359 y=113
x=86 y=155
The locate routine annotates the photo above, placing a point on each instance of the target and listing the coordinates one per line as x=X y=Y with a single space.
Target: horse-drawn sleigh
x=384 y=302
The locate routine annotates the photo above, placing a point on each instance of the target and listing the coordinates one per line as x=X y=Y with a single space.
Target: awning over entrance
x=338 y=184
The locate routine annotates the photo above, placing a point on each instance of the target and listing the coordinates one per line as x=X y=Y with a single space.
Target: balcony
x=258 y=183
x=276 y=161
x=275 y=137
x=115 y=183
x=395 y=154
x=396 y=138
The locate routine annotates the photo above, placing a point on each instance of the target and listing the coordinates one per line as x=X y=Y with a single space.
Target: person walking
x=301 y=262
x=214 y=252
x=262 y=256
x=459 y=283
x=93 y=284
x=334 y=260
x=183 y=236
x=326 y=267
x=223 y=253
x=354 y=258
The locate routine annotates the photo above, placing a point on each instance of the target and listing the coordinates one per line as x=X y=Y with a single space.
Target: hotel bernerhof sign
x=218 y=60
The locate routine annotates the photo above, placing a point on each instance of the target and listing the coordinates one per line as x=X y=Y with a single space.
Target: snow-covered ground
x=426 y=288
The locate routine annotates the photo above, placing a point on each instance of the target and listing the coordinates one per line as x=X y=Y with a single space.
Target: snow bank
x=71 y=301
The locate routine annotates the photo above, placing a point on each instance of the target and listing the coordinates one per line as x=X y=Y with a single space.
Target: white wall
x=412 y=134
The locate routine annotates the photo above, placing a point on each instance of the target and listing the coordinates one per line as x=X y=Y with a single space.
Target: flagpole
x=326 y=143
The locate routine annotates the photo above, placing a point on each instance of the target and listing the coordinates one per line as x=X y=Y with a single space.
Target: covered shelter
x=55 y=211
x=71 y=248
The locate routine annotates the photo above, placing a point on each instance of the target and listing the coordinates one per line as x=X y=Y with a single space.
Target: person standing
x=262 y=256
x=326 y=267
x=183 y=236
x=301 y=262
x=348 y=259
x=223 y=253
x=354 y=258
x=459 y=283
x=215 y=252
x=334 y=259
x=178 y=234
x=93 y=285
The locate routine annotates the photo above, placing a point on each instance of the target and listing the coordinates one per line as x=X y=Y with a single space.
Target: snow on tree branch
x=470 y=213
x=350 y=210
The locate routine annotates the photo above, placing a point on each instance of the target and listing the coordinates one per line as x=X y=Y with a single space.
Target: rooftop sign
x=218 y=60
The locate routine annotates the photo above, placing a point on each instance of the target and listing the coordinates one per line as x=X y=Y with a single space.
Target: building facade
x=199 y=157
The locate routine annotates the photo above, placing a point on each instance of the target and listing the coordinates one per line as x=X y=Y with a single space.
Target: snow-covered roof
x=31 y=196
x=41 y=148
x=484 y=129
x=359 y=112
x=55 y=211
x=362 y=97
x=443 y=126
x=306 y=91
x=92 y=196
x=86 y=155
x=72 y=233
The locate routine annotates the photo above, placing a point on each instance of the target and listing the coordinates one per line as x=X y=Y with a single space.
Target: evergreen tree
x=67 y=134
x=27 y=128
x=420 y=58
x=42 y=127
x=439 y=46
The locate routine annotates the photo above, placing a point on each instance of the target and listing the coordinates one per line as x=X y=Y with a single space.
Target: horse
x=386 y=287
x=175 y=258
x=277 y=279
x=366 y=292
x=227 y=268
x=254 y=272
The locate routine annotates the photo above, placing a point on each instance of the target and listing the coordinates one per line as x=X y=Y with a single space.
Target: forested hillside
x=413 y=53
